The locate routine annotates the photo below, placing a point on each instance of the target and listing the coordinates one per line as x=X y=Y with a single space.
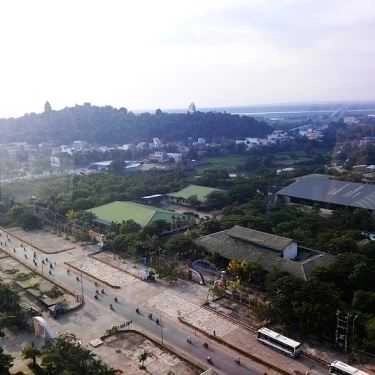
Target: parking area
x=123 y=352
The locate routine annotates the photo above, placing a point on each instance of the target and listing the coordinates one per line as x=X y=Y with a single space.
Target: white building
x=201 y=141
x=156 y=142
x=176 y=156
x=55 y=162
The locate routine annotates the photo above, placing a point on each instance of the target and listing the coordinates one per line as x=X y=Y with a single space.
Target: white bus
x=279 y=342
x=341 y=368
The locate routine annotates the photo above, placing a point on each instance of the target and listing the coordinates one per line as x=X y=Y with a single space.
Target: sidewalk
x=234 y=336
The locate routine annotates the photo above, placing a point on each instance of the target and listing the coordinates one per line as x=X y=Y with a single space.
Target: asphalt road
x=223 y=359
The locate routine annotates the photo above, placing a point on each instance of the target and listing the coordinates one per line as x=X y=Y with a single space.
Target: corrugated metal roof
x=261 y=239
x=323 y=188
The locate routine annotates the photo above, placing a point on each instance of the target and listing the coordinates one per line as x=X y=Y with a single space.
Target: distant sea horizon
x=288 y=109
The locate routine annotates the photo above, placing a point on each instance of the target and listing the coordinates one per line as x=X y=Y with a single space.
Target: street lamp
x=161 y=329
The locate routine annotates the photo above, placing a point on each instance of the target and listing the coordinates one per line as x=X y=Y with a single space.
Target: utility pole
x=82 y=288
x=343 y=329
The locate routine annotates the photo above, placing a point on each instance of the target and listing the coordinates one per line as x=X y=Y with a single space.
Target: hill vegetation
x=103 y=125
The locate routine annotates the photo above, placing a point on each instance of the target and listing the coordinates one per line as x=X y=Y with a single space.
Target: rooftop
x=261 y=239
x=201 y=192
x=118 y=212
x=323 y=188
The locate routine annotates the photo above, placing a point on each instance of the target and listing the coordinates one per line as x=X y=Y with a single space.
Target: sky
x=165 y=54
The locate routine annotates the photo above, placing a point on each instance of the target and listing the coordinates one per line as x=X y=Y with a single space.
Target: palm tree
x=31 y=352
x=6 y=362
x=142 y=358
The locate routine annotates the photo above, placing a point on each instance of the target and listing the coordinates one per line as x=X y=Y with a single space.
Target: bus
x=279 y=342
x=341 y=368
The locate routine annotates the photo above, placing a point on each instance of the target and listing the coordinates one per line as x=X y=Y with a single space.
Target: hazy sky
x=149 y=54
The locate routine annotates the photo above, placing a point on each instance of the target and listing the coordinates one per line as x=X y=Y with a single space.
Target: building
x=176 y=156
x=327 y=192
x=268 y=250
x=198 y=191
x=118 y=212
x=158 y=156
x=100 y=165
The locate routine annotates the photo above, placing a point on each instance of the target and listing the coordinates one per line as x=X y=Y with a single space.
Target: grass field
x=229 y=162
x=200 y=192
x=118 y=212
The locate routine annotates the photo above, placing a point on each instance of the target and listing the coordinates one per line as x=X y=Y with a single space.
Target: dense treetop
x=115 y=126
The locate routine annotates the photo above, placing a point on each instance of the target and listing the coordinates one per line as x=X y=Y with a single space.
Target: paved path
x=96 y=316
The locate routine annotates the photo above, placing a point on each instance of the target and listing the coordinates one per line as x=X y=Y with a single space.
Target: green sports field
x=201 y=192
x=118 y=212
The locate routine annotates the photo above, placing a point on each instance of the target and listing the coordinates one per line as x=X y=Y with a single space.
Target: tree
x=180 y=244
x=193 y=201
x=130 y=226
x=157 y=227
x=29 y=221
x=142 y=358
x=364 y=301
x=217 y=199
x=66 y=356
x=234 y=267
x=6 y=362
x=31 y=352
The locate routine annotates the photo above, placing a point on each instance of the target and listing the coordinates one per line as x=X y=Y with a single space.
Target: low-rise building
x=268 y=250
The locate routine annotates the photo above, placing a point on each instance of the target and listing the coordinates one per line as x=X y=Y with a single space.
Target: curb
x=93 y=277
x=239 y=350
x=34 y=246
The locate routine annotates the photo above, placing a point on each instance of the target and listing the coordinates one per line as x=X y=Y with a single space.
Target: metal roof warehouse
x=330 y=193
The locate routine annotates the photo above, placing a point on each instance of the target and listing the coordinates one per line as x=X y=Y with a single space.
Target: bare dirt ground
x=122 y=352
x=44 y=240
x=235 y=310
x=42 y=290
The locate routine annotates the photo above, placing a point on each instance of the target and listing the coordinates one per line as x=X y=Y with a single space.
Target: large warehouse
x=327 y=192
x=266 y=249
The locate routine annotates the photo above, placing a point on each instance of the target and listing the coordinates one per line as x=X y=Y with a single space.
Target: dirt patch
x=123 y=350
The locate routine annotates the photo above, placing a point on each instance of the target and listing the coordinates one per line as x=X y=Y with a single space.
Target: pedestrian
x=214 y=333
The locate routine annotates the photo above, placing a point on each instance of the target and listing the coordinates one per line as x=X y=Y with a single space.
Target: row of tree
x=107 y=125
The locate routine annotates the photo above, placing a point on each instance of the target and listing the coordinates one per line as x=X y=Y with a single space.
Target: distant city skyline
x=166 y=54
